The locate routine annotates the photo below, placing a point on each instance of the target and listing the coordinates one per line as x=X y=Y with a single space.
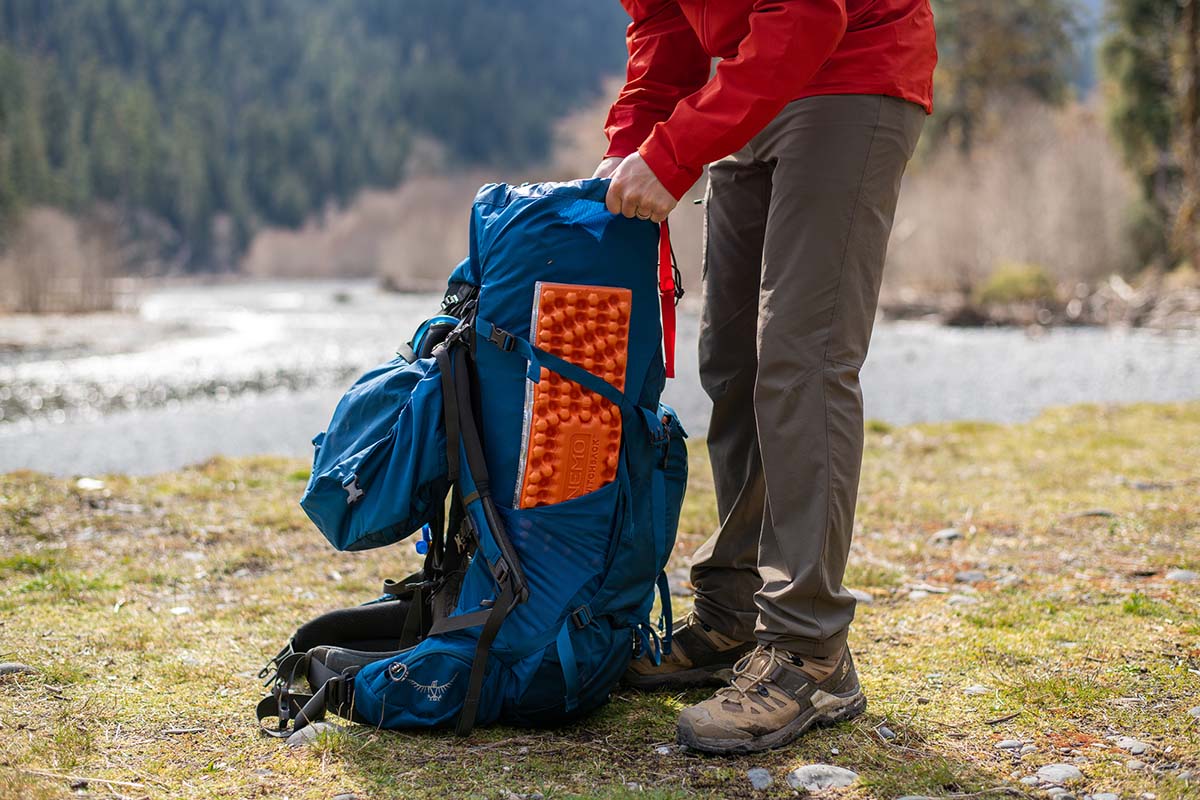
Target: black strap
x=504 y=603
x=450 y=409
x=414 y=620
x=406 y=352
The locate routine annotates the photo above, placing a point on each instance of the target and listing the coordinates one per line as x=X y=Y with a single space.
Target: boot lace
x=744 y=680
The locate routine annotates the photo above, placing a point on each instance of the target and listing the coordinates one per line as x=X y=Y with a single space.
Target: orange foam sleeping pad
x=573 y=435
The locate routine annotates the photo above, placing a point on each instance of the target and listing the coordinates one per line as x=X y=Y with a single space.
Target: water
x=254 y=368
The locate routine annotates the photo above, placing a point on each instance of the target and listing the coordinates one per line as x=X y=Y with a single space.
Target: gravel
x=309 y=733
x=817 y=777
x=760 y=778
x=14 y=668
x=1059 y=773
x=946 y=535
x=1132 y=745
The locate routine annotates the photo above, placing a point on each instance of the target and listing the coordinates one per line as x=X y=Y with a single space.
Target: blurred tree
x=990 y=53
x=263 y=112
x=1150 y=60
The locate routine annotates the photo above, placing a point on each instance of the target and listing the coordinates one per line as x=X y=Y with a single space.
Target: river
x=256 y=367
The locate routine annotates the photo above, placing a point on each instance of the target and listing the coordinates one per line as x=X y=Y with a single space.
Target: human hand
x=636 y=191
x=607 y=166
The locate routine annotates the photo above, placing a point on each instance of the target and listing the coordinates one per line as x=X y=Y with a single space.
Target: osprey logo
x=434 y=691
x=352 y=491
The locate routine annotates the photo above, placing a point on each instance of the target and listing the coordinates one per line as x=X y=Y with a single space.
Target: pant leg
x=836 y=163
x=725 y=568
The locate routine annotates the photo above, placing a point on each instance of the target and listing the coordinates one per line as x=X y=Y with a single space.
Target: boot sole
x=694 y=678
x=834 y=709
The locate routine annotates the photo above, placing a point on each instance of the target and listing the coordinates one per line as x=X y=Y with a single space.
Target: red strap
x=666 y=294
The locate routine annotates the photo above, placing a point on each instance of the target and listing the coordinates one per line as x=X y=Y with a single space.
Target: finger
x=629 y=205
x=657 y=217
x=613 y=198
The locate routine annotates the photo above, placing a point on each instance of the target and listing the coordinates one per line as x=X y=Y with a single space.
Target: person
x=807 y=123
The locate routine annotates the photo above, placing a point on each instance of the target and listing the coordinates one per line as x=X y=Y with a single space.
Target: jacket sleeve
x=788 y=42
x=666 y=64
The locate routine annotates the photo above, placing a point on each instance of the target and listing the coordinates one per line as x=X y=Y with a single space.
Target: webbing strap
x=666 y=296
x=450 y=411
x=459 y=622
x=666 y=621
x=570 y=670
x=538 y=358
x=504 y=604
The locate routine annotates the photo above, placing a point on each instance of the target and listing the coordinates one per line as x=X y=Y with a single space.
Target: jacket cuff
x=675 y=177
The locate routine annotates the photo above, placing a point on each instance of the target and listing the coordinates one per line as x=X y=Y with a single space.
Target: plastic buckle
x=502 y=339
x=582 y=616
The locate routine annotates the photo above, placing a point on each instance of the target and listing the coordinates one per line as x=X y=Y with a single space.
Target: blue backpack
x=522 y=615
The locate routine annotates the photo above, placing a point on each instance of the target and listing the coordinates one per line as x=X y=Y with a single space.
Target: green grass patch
x=155 y=619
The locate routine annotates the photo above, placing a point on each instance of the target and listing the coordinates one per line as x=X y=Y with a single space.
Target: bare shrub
x=413 y=235
x=1048 y=189
x=56 y=263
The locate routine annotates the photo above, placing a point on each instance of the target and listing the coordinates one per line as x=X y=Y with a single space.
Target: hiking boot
x=700 y=656
x=769 y=702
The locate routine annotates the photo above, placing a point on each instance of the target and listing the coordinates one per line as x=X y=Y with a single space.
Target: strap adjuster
x=582 y=616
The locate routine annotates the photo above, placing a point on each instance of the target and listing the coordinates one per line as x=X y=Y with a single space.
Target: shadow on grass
x=626 y=749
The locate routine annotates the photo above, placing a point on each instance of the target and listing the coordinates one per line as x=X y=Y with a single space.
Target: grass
x=147 y=607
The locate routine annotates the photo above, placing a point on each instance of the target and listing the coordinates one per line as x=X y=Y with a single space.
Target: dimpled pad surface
x=574 y=435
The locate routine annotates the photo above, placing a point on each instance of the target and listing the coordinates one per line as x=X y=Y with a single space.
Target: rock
x=14 y=668
x=1009 y=744
x=1030 y=780
x=975 y=690
x=1132 y=745
x=1183 y=575
x=970 y=576
x=885 y=732
x=347 y=796
x=665 y=749
x=1194 y=711
x=1135 y=765
x=1187 y=776
x=759 y=778
x=961 y=600
x=918 y=594
x=1026 y=749
x=946 y=536
x=817 y=777
x=1059 y=773
x=1103 y=796
x=309 y=733
x=862 y=597
x=89 y=485
x=1059 y=793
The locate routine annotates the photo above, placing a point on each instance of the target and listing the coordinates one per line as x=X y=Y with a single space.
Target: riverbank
x=1154 y=302
x=256 y=367
x=1029 y=599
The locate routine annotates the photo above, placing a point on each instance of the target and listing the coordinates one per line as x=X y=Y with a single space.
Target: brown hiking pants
x=796 y=231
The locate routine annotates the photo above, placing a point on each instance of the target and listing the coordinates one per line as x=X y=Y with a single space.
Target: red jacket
x=773 y=52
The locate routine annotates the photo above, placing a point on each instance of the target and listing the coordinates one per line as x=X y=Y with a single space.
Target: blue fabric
x=379 y=470
x=566 y=659
x=606 y=549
